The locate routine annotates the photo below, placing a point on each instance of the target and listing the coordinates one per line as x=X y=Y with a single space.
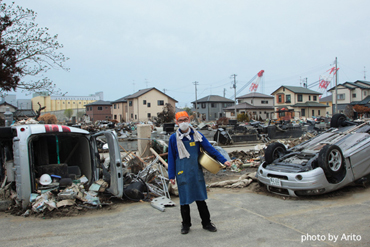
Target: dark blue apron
x=189 y=175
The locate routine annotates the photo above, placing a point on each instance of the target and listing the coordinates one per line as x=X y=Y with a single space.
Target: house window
x=90 y=108
x=115 y=116
x=318 y=112
x=280 y=98
x=203 y=105
x=303 y=112
x=78 y=102
x=132 y=115
x=364 y=93
x=300 y=98
x=148 y=104
x=160 y=102
x=74 y=102
x=251 y=101
x=309 y=97
x=135 y=116
x=314 y=98
x=313 y=112
x=130 y=103
x=144 y=102
x=264 y=101
x=232 y=113
x=149 y=115
x=114 y=106
x=341 y=96
x=213 y=105
x=69 y=102
x=287 y=98
x=100 y=108
x=353 y=95
x=63 y=103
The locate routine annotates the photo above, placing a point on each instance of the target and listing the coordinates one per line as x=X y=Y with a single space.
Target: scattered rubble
x=146 y=179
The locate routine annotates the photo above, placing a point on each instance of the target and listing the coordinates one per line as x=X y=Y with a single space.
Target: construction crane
x=254 y=83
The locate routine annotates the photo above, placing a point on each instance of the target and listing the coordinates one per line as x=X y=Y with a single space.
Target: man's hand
x=227 y=163
x=172 y=181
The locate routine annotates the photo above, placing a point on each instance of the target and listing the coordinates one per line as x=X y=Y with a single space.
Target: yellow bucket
x=209 y=163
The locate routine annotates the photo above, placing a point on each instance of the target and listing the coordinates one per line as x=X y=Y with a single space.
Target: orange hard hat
x=181 y=114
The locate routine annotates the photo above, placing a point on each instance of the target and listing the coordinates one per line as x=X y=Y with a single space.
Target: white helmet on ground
x=45 y=179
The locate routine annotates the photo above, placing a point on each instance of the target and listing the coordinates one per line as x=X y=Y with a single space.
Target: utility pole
x=164 y=90
x=224 y=92
x=234 y=86
x=336 y=86
x=364 y=73
x=196 y=103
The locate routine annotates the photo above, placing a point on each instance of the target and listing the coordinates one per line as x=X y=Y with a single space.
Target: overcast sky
x=121 y=46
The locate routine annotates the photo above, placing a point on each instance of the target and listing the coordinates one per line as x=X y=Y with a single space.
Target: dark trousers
x=203 y=212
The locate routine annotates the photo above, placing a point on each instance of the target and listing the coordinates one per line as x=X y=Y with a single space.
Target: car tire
x=338 y=120
x=331 y=160
x=274 y=151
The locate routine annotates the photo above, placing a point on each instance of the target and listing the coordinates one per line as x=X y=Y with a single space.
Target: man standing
x=183 y=151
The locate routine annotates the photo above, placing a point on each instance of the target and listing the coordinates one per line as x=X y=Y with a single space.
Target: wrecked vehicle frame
x=329 y=161
x=28 y=151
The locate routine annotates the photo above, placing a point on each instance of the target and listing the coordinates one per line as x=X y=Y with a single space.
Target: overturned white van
x=28 y=151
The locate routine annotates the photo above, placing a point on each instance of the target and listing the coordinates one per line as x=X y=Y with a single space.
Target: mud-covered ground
x=111 y=204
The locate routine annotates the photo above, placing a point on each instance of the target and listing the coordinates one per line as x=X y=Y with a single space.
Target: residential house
x=146 y=104
x=4 y=105
x=348 y=93
x=119 y=109
x=24 y=114
x=211 y=107
x=328 y=101
x=256 y=105
x=99 y=110
x=297 y=102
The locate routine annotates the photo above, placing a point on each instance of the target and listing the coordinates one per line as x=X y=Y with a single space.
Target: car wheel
x=274 y=151
x=337 y=120
x=332 y=162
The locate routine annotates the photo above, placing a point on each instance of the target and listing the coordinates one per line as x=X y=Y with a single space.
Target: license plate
x=275 y=181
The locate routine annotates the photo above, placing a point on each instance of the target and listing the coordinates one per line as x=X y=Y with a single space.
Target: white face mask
x=184 y=126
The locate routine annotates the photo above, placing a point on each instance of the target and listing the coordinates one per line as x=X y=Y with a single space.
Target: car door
x=114 y=170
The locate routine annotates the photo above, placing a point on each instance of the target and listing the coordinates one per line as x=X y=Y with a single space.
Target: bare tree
x=36 y=50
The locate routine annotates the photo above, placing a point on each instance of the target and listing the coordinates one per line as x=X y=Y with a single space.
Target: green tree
x=36 y=51
x=68 y=113
x=188 y=110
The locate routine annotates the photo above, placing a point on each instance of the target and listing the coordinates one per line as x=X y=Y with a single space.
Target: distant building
x=119 y=109
x=146 y=104
x=58 y=104
x=349 y=93
x=297 y=101
x=99 y=110
x=4 y=105
x=328 y=101
x=256 y=105
x=212 y=107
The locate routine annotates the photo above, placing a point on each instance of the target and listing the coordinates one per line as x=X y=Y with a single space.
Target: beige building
x=301 y=101
x=348 y=93
x=119 y=109
x=142 y=105
x=58 y=104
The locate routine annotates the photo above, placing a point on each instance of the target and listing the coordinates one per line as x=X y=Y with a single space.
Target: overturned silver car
x=327 y=162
